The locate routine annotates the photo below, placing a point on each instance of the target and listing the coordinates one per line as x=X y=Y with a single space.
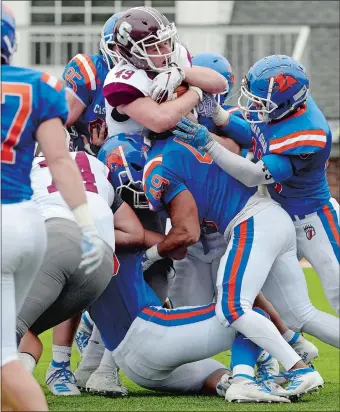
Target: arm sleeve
x=52 y=99
x=160 y=186
x=241 y=169
x=239 y=130
x=79 y=76
x=117 y=202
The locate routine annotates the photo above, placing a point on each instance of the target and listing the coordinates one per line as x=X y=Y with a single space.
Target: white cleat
x=267 y=366
x=302 y=381
x=305 y=349
x=224 y=383
x=61 y=381
x=250 y=391
x=107 y=384
x=82 y=375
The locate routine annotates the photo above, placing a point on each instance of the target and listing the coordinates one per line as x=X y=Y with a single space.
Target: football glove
x=164 y=85
x=195 y=134
x=207 y=106
x=93 y=250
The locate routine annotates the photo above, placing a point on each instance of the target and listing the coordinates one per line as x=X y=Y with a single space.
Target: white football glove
x=207 y=106
x=93 y=249
x=164 y=85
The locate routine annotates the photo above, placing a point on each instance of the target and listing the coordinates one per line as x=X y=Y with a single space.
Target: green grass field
x=139 y=399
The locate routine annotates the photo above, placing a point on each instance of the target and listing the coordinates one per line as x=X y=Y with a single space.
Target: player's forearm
x=129 y=231
x=227 y=143
x=233 y=127
x=152 y=238
x=172 y=111
x=177 y=238
x=243 y=170
x=206 y=79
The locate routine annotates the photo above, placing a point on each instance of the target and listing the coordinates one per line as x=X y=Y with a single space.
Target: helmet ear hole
x=136 y=167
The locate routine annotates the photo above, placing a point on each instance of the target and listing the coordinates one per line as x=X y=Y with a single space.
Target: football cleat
x=224 y=383
x=248 y=390
x=267 y=366
x=302 y=381
x=82 y=374
x=61 y=381
x=106 y=384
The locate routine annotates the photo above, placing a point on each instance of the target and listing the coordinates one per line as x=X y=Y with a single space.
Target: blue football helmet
x=274 y=87
x=125 y=156
x=107 y=44
x=8 y=35
x=221 y=65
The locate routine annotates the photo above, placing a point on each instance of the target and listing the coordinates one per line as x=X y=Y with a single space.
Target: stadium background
x=53 y=31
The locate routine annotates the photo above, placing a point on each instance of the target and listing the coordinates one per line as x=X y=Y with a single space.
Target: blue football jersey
x=125 y=297
x=174 y=166
x=28 y=98
x=295 y=151
x=84 y=76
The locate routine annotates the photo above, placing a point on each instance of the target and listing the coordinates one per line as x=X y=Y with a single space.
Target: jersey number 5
x=23 y=91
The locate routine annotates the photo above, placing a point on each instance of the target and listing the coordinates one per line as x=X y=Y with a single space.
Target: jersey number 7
x=24 y=92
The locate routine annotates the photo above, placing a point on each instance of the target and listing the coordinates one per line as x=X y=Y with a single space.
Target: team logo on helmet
x=310 y=231
x=123 y=33
x=283 y=82
x=114 y=160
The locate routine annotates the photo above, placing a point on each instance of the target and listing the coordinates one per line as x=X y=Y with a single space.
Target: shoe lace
x=63 y=375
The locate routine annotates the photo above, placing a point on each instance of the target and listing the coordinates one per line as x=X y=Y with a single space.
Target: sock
x=244 y=354
x=264 y=357
x=263 y=332
x=291 y=337
x=94 y=351
x=61 y=355
x=28 y=361
x=107 y=364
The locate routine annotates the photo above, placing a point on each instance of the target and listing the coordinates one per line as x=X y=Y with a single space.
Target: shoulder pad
x=81 y=70
x=299 y=143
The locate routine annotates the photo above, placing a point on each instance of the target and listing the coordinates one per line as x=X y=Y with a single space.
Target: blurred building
x=53 y=31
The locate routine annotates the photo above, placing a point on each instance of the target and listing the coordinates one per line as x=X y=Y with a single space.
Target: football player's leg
x=193 y=283
x=22 y=254
x=160 y=340
x=157 y=278
x=244 y=269
x=286 y=288
x=318 y=241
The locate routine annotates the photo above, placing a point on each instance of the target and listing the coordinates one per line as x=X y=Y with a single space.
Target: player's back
x=124 y=298
x=174 y=166
x=84 y=76
x=29 y=98
x=99 y=193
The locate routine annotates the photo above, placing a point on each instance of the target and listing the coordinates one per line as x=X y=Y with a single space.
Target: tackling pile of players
x=89 y=254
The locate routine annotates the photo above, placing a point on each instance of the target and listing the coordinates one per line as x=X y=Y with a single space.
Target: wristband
x=82 y=215
x=152 y=254
x=221 y=117
x=198 y=91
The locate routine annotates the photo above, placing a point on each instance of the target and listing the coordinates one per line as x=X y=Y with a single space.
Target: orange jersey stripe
x=234 y=270
x=173 y=316
x=93 y=68
x=300 y=143
x=332 y=224
x=83 y=71
x=153 y=163
x=296 y=134
x=52 y=81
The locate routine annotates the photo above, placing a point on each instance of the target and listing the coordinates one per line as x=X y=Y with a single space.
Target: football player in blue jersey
x=188 y=184
x=34 y=109
x=129 y=295
x=291 y=142
x=84 y=76
x=196 y=274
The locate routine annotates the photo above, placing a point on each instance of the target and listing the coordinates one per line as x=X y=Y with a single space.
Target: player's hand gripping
x=93 y=248
x=195 y=134
x=164 y=85
x=207 y=106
